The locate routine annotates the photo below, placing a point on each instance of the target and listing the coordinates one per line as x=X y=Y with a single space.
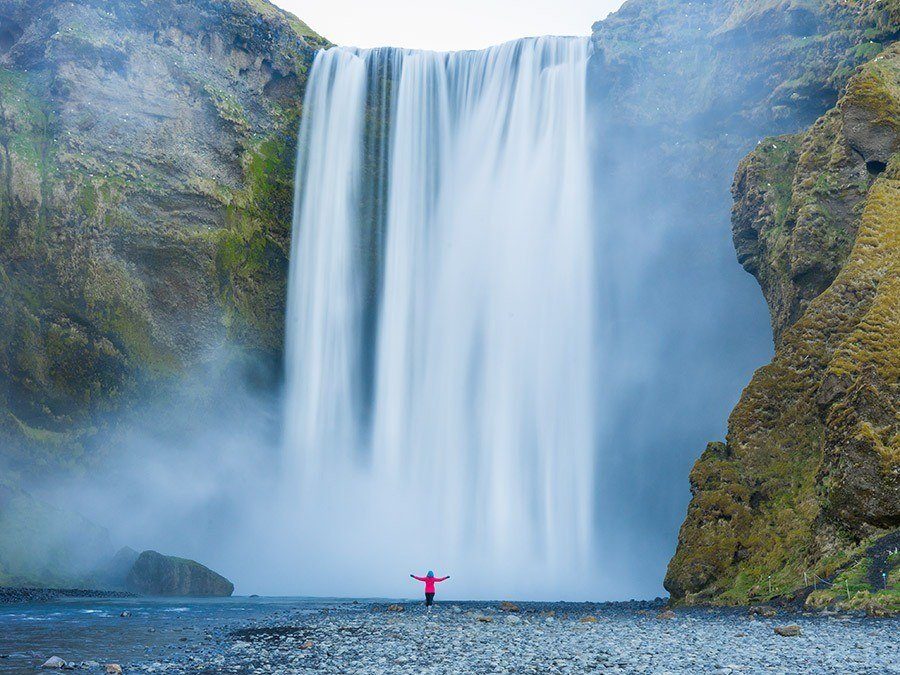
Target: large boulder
x=157 y=574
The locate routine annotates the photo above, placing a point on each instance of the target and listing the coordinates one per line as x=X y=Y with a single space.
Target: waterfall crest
x=440 y=367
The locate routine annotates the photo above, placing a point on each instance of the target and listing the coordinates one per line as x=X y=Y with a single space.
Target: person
x=430 y=580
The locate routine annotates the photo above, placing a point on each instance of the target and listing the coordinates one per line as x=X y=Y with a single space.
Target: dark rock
x=790 y=630
x=395 y=608
x=666 y=614
x=54 y=662
x=765 y=611
x=157 y=574
x=508 y=606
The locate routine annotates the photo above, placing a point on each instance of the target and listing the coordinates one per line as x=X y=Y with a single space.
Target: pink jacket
x=429 y=582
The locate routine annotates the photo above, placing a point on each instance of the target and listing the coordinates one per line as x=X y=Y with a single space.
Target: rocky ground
x=531 y=638
x=22 y=595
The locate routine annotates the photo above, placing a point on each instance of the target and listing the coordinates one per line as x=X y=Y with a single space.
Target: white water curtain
x=467 y=445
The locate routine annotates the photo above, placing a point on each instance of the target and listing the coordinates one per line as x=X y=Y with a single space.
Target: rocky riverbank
x=26 y=595
x=379 y=637
x=558 y=638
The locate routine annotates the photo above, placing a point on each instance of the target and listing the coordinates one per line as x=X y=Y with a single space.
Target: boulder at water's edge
x=157 y=574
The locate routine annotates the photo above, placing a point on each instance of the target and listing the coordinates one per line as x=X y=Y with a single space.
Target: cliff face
x=680 y=93
x=809 y=474
x=146 y=170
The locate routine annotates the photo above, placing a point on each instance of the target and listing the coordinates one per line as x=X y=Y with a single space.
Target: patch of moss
x=116 y=303
x=42 y=436
x=252 y=250
x=229 y=108
x=877 y=88
x=267 y=9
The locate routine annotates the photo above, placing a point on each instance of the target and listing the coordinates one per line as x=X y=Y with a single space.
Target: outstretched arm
x=442 y=578
x=417 y=578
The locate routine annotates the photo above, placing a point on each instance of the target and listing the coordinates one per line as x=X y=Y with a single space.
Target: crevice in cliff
x=875 y=167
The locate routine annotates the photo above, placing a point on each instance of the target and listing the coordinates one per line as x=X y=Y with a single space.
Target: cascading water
x=440 y=348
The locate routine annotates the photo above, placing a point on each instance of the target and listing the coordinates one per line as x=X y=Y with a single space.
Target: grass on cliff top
x=877 y=87
x=268 y=10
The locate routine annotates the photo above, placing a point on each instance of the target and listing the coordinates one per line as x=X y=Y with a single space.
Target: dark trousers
x=429 y=599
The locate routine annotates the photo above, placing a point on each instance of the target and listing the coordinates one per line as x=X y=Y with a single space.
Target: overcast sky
x=445 y=24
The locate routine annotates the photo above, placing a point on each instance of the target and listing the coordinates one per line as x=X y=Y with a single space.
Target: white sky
x=445 y=24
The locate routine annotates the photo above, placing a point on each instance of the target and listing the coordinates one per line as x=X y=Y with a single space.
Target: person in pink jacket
x=430 y=580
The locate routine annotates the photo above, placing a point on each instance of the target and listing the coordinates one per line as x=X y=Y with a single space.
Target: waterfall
x=440 y=368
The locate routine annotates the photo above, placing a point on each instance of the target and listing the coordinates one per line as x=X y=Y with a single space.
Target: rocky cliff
x=146 y=170
x=809 y=475
x=680 y=92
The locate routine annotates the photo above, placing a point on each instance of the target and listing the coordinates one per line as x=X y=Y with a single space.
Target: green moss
x=299 y=27
x=867 y=50
x=229 y=108
x=251 y=252
x=778 y=156
x=877 y=88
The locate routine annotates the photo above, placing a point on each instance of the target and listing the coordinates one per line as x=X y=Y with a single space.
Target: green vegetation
x=251 y=252
x=267 y=9
x=852 y=589
x=229 y=108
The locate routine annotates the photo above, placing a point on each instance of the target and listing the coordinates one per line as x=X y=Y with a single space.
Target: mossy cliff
x=146 y=163
x=809 y=474
x=680 y=92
